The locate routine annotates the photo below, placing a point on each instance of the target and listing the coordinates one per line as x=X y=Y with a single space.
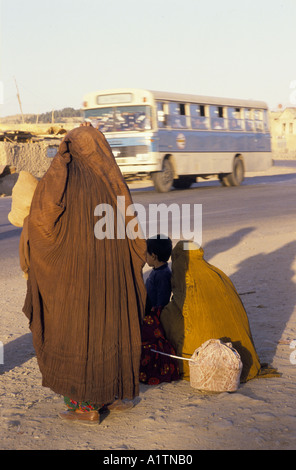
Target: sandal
x=86 y=417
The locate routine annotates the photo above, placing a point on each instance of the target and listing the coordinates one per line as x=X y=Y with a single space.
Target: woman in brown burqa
x=85 y=297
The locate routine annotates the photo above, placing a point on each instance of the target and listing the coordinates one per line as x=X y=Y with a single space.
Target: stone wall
x=30 y=156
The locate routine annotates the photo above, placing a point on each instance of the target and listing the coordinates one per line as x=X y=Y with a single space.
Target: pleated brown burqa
x=85 y=298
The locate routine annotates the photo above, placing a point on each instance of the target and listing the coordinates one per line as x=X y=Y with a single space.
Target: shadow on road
x=273 y=280
x=221 y=245
x=17 y=352
x=215 y=183
x=10 y=233
x=273 y=291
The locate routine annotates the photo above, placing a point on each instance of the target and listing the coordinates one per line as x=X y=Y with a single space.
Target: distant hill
x=62 y=115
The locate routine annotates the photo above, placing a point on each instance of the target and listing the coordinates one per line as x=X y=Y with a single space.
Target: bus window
x=132 y=118
x=120 y=118
x=198 y=116
x=258 y=117
x=177 y=115
x=102 y=119
x=249 y=120
x=234 y=119
x=217 y=117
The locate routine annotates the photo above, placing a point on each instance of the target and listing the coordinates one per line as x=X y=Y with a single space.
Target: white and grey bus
x=176 y=138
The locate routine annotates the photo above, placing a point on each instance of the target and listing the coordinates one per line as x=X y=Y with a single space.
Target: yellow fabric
x=205 y=305
x=22 y=195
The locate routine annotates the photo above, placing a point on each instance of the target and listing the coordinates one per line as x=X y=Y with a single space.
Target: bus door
x=164 y=136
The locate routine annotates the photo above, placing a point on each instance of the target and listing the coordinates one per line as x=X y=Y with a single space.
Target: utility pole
x=19 y=100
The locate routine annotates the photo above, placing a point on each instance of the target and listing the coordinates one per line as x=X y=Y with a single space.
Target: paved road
x=259 y=198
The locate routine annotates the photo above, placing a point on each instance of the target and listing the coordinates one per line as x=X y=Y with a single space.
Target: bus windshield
x=120 y=118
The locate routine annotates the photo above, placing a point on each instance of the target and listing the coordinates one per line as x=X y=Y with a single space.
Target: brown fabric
x=85 y=298
x=24 y=251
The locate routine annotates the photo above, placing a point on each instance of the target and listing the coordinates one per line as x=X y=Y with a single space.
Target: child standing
x=158 y=284
x=156 y=368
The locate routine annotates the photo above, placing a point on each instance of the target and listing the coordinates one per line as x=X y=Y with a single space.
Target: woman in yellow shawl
x=205 y=305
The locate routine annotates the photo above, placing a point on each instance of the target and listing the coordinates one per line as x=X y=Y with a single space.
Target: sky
x=56 y=51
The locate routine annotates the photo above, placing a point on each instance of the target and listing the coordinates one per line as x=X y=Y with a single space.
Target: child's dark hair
x=161 y=246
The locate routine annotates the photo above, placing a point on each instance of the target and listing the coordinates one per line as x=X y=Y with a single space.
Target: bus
x=175 y=138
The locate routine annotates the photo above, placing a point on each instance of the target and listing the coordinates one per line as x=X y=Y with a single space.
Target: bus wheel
x=163 y=179
x=237 y=176
x=183 y=182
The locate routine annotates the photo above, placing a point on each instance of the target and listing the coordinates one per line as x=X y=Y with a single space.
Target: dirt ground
x=261 y=415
